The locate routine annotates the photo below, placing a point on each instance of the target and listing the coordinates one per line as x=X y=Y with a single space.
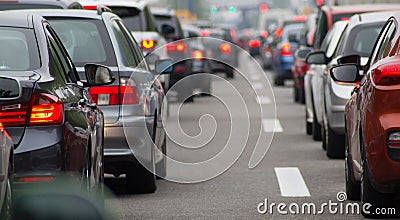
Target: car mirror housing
x=98 y=75
x=318 y=57
x=348 y=73
x=303 y=53
x=163 y=66
x=350 y=59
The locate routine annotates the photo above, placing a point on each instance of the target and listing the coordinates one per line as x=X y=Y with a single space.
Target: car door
x=80 y=118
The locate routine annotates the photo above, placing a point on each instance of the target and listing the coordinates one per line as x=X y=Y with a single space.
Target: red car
x=372 y=118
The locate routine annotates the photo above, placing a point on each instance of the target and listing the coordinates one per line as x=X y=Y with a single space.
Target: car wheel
x=353 y=189
x=334 y=144
x=302 y=97
x=295 y=94
x=316 y=129
x=140 y=180
x=229 y=71
x=6 y=209
x=324 y=133
x=279 y=81
x=369 y=195
x=308 y=124
x=161 y=167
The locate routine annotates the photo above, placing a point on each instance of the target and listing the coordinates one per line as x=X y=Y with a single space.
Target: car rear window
x=362 y=38
x=131 y=16
x=86 y=40
x=19 y=50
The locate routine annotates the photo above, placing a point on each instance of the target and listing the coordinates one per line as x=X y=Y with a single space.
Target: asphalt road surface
x=294 y=172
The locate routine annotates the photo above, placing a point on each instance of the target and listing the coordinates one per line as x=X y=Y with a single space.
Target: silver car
x=357 y=41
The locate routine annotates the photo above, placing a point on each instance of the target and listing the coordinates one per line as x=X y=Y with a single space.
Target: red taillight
x=180 y=47
x=278 y=32
x=148 y=44
x=386 y=75
x=205 y=33
x=197 y=54
x=46 y=110
x=254 y=43
x=13 y=115
x=125 y=94
x=170 y=47
x=35 y=179
x=285 y=50
x=345 y=19
x=90 y=7
x=264 y=34
x=267 y=50
x=300 y=18
x=225 y=48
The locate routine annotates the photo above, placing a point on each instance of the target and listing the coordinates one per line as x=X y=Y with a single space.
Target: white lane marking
x=263 y=100
x=254 y=77
x=258 y=85
x=291 y=182
x=272 y=125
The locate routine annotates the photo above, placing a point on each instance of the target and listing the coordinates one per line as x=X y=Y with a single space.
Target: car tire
x=353 y=189
x=324 y=133
x=302 y=97
x=316 y=129
x=295 y=94
x=372 y=196
x=308 y=124
x=229 y=71
x=140 y=180
x=334 y=144
x=279 y=81
x=161 y=167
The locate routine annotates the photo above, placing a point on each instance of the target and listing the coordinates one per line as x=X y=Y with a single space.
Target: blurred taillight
x=394 y=140
x=285 y=50
x=225 y=48
x=197 y=54
x=254 y=43
x=89 y=7
x=267 y=50
x=125 y=94
x=13 y=115
x=180 y=47
x=205 y=33
x=148 y=44
x=46 y=110
x=386 y=74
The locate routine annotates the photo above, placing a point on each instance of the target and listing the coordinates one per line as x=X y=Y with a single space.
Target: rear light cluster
x=205 y=33
x=125 y=94
x=148 y=44
x=254 y=43
x=225 y=48
x=45 y=109
x=394 y=140
x=386 y=75
x=180 y=47
x=285 y=50
x=197 y=55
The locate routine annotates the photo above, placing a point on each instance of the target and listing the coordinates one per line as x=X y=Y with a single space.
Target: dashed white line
x=263 y=100
x=272 y=125
x=291 y=182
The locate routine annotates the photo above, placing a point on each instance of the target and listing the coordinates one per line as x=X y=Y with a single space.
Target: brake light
x=225 y=48
x=35 y=179
x=345 y=19
x=267 y=50
x=170 y=47
x=90 y=7
x=180 y=47
x=394 y=140
x=13 y=115
x=285 y=50
x=205 y=33
x=125 y=94
x=148 y=44
x=254 y=43
x=386 y=75
x=264 y=34
x=197 y=54
x=278 y=32
x=46 y=110
x=300 y=18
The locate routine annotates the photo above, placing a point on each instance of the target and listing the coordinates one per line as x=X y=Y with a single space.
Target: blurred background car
x=7 y=157
x=40 y=4
x=132 y=105
x=49 y=98
x=357 y=39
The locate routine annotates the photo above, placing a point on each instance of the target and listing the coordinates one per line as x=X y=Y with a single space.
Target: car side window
x=135 y=47
x=321 y=29
x=124 y=46
x=386 y=36
x=61 y=56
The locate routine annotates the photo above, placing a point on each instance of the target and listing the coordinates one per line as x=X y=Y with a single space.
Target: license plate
x=103 y=99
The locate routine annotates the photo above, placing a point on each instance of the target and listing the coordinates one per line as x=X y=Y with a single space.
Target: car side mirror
x=350 y=59
x=98 y=75
x=318 y=57
x=167 y=29
x=303 y=53
x=348 y=73
x=164 y=66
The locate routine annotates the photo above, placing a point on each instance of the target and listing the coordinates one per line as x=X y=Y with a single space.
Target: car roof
x=372 y=17
x=11 y=19
x=123 y=3
x=346 y=9
x=60 y=13
x=162 y=11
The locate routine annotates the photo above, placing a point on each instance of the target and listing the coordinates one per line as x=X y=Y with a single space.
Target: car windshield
x=19 y=50
x=362 y=39
x=86 y=40
x=292 y=30
x=131 y=17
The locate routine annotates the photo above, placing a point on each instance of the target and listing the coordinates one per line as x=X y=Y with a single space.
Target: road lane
x=236 y=193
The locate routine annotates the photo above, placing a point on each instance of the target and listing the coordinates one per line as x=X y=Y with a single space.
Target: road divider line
x=263 y=100
x=291 y=182
x=272 y=125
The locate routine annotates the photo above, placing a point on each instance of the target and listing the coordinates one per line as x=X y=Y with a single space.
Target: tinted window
x=131 y=17
x=128 y=57
x=86 y=41
x=321 y=30
x=330 y=44
x=361 y=39
x=19 y=51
